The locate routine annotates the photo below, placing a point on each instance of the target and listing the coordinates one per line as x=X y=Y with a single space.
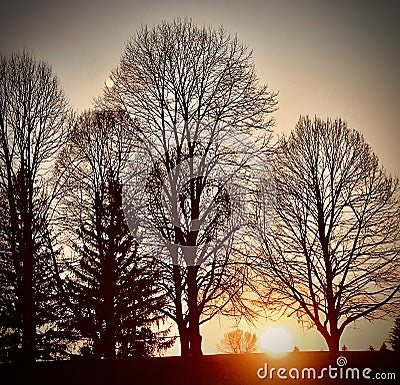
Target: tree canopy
x=333 y=248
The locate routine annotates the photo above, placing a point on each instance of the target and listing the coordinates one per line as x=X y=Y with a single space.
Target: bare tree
x=333 y=249
x=237 y=341
x=194 y=92
x=33 y=117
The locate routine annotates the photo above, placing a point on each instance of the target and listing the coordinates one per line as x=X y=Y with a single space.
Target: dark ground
x=210 y=370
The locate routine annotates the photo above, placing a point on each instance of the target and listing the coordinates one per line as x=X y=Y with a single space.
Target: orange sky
x=327 y=58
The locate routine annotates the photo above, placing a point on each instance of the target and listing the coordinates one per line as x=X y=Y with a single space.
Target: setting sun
x=276 y=340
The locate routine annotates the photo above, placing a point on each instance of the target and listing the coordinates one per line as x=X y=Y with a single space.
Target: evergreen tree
x=394 y=336
x=114 y=297
x=10 y=328
x=383 y=347
x=46 y=297
x=33 y=119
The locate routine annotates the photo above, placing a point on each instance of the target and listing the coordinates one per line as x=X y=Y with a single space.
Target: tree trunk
x=195 y=341
x=184 y=341
x=110 y=332
x=27 y=282
x=333 y=343
x=28 y=318
x=108 y=279
x=194 y=327
x=183 y=330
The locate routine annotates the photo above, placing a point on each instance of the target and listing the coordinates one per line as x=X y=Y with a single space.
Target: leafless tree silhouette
x=33 y=118
x=237 y=341
x=333 y=249
x=191 y=90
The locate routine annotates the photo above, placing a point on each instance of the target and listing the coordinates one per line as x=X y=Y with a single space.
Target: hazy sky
x=330 y=58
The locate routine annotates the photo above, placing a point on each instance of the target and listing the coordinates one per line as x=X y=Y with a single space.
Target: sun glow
x=276 y=340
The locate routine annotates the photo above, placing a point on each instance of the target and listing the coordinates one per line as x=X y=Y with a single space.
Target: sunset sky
x=336 y=59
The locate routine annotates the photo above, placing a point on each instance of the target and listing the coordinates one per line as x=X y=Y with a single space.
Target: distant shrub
x=383 y=347
x=238 y=341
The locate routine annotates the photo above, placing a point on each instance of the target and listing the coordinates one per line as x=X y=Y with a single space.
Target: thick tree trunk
x=194 y=327
x=182 y=328
x=184 y=341
x=333 y=343
x=195 y=341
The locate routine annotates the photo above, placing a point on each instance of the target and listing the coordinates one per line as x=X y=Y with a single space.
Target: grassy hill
x=221 y=369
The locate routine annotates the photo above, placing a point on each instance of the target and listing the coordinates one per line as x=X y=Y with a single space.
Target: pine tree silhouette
x=114 y=298
x=47 y=307
x=394 y=336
